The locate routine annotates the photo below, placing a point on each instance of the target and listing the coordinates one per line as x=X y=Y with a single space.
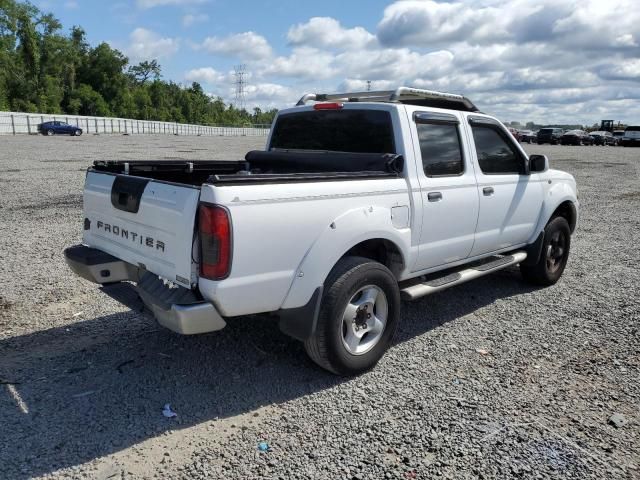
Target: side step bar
x=456 y=278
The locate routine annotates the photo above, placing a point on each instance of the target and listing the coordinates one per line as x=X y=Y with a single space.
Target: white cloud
x=629 y=70
x=145 y=4
x=193 y=18
x=246 y=45
x=573 y=61
x=591 y=24
x=304 y=62
x=270 y=95
x=205 y=75
x=423 y=23
x=625 y=40
x=146 y=45
x=326 y=32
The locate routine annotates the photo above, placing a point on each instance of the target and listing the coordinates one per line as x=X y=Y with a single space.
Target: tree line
x=44 y=70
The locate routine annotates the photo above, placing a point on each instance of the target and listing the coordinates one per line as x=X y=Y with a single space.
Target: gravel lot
x=83 y=379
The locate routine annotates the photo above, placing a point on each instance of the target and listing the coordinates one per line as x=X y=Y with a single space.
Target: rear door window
x=440 y=148
x=346 y=130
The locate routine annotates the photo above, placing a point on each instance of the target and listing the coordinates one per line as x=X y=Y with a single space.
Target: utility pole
x=240 y=73
x=368 y=85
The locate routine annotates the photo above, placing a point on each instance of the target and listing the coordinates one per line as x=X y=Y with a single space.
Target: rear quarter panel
x=287 y=237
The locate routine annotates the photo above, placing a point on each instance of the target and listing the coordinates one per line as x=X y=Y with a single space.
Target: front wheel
x=554 y=255
x=50 y=133
x=358 y=317
x=77 y=133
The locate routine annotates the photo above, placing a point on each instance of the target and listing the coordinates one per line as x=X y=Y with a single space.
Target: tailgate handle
x=127 y=191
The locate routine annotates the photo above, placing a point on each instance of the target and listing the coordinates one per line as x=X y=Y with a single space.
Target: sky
x=547 y=61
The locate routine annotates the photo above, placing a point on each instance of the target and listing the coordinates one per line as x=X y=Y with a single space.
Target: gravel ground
x=492 y=379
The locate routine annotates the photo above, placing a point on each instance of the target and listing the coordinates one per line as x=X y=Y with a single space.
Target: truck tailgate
x=143 y=222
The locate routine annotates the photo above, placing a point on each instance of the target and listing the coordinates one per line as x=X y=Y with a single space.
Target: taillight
x=327 y=106
x=215 y=242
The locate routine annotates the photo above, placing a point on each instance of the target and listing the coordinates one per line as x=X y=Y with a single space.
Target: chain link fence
x=15 y=123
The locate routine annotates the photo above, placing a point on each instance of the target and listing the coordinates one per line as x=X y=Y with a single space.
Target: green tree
x=144 y=71
x=45 y=69
x=89 y=102
x=102 y=69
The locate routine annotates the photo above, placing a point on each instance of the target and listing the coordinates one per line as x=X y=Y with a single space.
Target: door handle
x=434 y=196
x=487 y=191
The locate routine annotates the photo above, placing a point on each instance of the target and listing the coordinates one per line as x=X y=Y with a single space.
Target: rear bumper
x=178 y=309
x=98 y=266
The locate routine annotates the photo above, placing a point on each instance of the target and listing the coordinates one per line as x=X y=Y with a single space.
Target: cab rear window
x=346 y=130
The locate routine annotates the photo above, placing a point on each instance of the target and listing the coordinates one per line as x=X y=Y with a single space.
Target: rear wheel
x=554 y=255
x=358 y=317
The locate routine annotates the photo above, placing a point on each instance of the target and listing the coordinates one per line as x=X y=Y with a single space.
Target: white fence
x=14 y=123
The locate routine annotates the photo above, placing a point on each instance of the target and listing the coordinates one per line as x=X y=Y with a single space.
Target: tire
x=77 y=133
x=50 y=133
x=554 y=255
x=350 y=288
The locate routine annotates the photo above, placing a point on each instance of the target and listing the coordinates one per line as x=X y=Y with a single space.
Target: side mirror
x=538 y=163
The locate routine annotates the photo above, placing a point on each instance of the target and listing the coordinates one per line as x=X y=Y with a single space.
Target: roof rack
x=407 y=95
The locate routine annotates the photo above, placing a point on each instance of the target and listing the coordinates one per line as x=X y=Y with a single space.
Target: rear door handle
x=434 y=196
x=487 y=191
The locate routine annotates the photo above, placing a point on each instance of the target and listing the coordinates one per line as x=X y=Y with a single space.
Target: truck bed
x=262 y=167
x=193 y=173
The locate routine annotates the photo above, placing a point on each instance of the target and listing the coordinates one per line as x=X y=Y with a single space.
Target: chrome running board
x=466 y=273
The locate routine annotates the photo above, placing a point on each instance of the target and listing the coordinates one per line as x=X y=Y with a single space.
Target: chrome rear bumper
x=178 y=309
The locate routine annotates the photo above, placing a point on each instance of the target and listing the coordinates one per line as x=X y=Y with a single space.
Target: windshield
x=354 y=131
x=632 y=129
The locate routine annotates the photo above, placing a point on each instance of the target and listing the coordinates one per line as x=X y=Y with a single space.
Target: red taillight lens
x=327 y=106
x=215 y=242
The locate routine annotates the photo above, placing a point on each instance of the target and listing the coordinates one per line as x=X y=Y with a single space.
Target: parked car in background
x=618 y=134
x=576 y=137
x=550 y=135
x=528 y=136
x=58 y=128
x=631 y=137
x=514 y=132
x=603 y=138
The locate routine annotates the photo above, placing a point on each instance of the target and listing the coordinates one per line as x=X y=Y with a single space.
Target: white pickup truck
x=359 y=200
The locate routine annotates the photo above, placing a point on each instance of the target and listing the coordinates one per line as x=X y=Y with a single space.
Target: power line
x=240 y=74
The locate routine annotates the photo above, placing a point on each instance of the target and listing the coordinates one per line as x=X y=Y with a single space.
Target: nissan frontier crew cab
x=360 y=200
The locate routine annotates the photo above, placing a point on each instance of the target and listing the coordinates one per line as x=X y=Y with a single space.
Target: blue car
x=58 y=128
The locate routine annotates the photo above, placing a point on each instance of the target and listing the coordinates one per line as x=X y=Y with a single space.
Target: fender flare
x=347 y=230
x=534 y=248
x=554 y=197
